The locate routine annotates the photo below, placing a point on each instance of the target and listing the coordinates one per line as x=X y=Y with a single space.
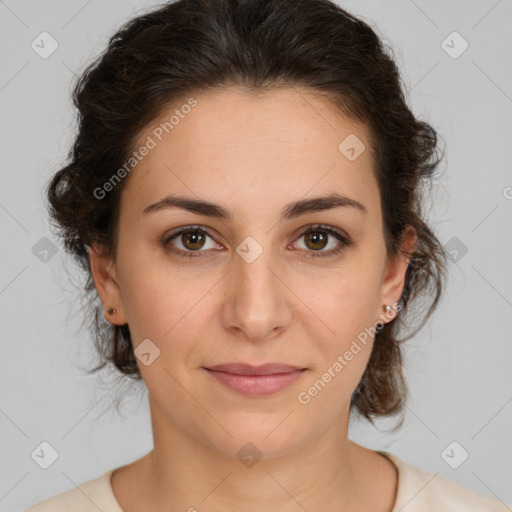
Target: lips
x=247 y=369
x=255 y=381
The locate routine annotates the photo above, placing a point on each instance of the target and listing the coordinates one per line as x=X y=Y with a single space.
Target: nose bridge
x=253 y=265
x=258 y=297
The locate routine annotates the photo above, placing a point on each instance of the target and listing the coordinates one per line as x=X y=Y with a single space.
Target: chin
x=252 y=438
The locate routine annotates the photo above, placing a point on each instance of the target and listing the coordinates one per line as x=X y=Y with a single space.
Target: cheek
x=350 y=300
x=164 y=301
x=348 y=306
x=342 y=354
x=162 y=309
x=148 y=294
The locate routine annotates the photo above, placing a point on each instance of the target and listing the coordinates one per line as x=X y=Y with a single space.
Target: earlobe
x=103 y=272
x=394 y=279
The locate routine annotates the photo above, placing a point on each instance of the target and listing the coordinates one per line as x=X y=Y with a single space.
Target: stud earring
x=111 y=311
x=387 y=308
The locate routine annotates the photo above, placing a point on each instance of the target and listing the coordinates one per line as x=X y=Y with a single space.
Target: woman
x=244 y=195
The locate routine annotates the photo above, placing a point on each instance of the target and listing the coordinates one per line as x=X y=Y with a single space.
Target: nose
x=257 y=302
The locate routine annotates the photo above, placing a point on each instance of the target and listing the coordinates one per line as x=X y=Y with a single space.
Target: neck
x=184 y=473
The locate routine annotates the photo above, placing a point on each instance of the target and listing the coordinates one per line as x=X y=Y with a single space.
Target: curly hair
x=191 y=46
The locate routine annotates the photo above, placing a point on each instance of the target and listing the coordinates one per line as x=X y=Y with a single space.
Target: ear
x=394 y=273
x=103 y=272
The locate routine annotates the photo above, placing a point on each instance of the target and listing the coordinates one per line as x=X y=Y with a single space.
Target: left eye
x=192 y=240
x=317 y=238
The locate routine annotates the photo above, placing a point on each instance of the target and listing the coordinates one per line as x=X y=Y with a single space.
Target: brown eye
x=189 y=242
x=317 y=239
x=193 y=240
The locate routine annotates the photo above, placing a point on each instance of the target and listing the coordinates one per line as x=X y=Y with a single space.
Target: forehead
x=234 y=147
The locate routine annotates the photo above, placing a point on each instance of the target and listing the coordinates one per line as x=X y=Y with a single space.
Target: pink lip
x=255 y=380
x=247 y=369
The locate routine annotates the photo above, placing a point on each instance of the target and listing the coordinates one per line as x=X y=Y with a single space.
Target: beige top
x=417 y=491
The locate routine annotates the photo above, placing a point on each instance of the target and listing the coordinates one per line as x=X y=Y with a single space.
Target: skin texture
x=252 y=154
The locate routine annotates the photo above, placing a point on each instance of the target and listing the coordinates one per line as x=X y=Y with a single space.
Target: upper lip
x=247 y=369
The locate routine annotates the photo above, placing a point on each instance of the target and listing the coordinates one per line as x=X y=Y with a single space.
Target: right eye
x=191 y=238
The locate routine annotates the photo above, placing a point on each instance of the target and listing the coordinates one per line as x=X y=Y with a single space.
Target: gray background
x=458 y=368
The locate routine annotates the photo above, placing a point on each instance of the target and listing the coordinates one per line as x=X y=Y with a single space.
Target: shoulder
x=419 y=491
x=92 y=495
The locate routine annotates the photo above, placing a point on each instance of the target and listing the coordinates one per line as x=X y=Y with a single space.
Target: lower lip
x=256 y=385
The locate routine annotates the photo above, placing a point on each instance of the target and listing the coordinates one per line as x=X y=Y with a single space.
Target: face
x=262 y=284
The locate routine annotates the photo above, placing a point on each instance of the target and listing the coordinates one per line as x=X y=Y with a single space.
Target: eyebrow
x=290 y=210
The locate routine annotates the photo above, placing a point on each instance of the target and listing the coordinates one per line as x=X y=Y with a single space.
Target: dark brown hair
x=191 y=46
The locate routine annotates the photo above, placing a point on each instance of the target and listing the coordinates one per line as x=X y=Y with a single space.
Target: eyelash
x=344 y=241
